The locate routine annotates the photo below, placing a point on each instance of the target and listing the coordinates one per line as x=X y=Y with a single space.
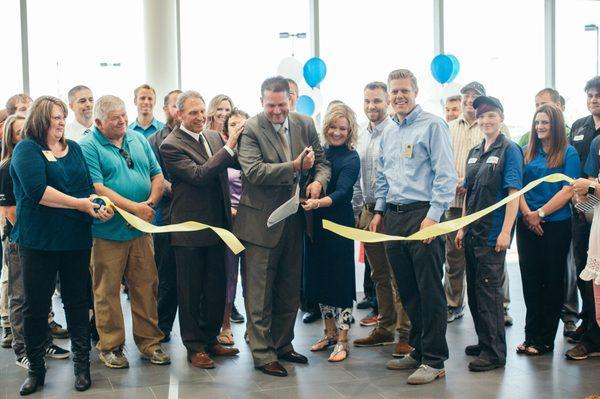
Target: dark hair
x=74 y=91
x=234 y=112
x=456 y=97
x=551 y=92
x=11 y=104
x=38 y=120
x=562 y=101
x=593 y=83
x=558 y=141
x=376 y=85
x=169 y=95
x=276 y=84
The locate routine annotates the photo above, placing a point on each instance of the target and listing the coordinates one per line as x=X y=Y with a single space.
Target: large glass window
x=364 y=41
x=97 y=44
x=230 y=47
x=576 y=52
x=11 y=81
x=501 y=45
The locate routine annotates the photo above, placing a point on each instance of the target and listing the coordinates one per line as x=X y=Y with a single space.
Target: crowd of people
x=404 y=170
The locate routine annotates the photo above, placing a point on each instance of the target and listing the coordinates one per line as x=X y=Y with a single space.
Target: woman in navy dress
x=330 y=258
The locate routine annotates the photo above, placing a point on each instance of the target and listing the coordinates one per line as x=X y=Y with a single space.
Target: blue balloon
x=314 y=71
x=444 y=68
x=305 y=105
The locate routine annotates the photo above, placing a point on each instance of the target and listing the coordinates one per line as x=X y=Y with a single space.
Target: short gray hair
x=184 y=96
x=106 y=104
x=73 y=92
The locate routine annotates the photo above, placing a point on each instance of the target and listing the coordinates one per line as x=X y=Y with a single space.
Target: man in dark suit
x=197 y=162
x=270 y=156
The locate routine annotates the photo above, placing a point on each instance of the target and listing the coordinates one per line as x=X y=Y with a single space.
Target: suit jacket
x=268 y=180
x=200 y=189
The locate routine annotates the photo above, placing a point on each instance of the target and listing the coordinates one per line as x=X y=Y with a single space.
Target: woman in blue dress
x=330 y=258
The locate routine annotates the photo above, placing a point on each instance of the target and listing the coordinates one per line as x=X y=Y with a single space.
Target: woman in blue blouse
x=544 y=228
x=330 y=258
x=53 y=229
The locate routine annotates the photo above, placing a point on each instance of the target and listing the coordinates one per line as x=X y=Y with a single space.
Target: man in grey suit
x=197 y=161
x=270 y=153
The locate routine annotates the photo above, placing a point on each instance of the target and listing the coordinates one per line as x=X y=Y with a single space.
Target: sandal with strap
x=538 y=350
x=226 y=337
x=523 y=347
x=340 y=347
x=324 y=343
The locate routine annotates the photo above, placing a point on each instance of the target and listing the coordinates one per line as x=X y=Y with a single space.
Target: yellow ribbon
x=440 y=228
x=228 y=238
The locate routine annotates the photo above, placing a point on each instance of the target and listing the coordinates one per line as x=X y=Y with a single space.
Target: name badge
x=492 y=160
x=49 y=156
x=579 y=137
x=408 y=151
x=472 y=161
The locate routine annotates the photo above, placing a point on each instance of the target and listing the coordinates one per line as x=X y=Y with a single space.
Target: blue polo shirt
x=538 y=196
x=109 y=167
x=152 y=128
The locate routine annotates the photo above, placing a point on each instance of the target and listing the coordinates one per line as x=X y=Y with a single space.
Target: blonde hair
x=7 y=138
x=336 y=112
x=212 y=109
x=37 y=122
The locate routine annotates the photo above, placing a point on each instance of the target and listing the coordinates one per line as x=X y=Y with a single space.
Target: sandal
x=523 y=347
x=538 y=350
x=324 y=343
x=341 y=347
x=226 y=337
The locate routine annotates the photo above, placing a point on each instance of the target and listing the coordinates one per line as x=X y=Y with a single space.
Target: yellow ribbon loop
x=228 y=238
x=440 y=228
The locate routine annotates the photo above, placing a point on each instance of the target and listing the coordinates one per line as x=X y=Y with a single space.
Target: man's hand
x=144 y=211
x=376 y=225
x=424 y=224
x=309 y=160
x=234 y=135
x=233 y=212
x=581 y=186
x=459 y=187
x=459 y=240
x=313 y=190
x=502 y=241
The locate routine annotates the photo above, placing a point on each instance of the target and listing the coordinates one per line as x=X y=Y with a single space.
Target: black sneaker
x=57 y=331
x=23 y=362
x=236 y=317
x=56 y=352
x=480 y=364
x=366 y=303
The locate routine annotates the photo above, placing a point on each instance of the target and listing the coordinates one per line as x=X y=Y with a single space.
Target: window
x=364 y=41
x=500 y=45
x=575 y=53
x=10 y=32
x=230 y=47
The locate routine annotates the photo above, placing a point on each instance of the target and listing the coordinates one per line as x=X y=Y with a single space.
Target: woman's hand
x=311 y=204
x=87 y=205
x=502 y=241
x=105 y=213
x=459 y=240
x=533 y=221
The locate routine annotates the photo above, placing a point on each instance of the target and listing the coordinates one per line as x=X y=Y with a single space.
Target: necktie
x=206 y=146
x=284 y=142
x=86 y=132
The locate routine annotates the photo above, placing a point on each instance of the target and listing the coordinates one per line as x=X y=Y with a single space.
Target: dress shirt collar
x=195 y=136
x=79 y=126
x=154 y=124
x=286 y=124
x=380 y=127
x=463 y=119
x=410 y=118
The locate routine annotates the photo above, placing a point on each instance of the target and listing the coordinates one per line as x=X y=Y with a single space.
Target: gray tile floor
x=363 y=375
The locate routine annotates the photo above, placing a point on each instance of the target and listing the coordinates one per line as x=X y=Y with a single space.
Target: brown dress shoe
x=220 y=350
x=402 y=349
x=377 y=337
x=274 y=368
x=201 y=360
x=294 y=357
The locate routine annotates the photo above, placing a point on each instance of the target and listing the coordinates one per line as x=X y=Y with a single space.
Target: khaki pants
x=134 y=259
x=4 y=294
x=391 y=312
x=454 y=276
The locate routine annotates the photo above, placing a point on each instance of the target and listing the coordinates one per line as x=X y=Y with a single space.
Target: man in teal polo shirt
x=144 y=98
x=124 y=169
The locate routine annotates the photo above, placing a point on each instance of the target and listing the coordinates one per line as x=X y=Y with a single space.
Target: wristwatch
x=592 y=188
x=541 y=213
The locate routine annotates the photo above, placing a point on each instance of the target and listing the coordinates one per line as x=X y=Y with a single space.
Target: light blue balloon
x=305 y=105
x=314 y=71
x=444 y=68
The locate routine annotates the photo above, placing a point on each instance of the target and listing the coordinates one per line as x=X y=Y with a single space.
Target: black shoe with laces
x=236 y=317
x=56 y=352
x=366 y=303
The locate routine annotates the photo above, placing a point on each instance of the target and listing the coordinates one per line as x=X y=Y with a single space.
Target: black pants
x=485 y=268
x=39 y=276
x=201 y=284
x=581 y=237
x=543 y=261
x=418 y=269
x=167 y=282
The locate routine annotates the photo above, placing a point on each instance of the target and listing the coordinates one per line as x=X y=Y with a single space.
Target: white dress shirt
x=76 y=131
x=200 y=137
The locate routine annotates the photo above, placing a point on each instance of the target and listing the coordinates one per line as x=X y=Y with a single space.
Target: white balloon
x=451 y=89
x=317 y=98
x=291 y=68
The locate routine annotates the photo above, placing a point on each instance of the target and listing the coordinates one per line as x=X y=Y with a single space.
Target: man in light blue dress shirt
x=416 y=182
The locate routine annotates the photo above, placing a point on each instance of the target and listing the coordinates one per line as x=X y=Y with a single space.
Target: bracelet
x=318 y=204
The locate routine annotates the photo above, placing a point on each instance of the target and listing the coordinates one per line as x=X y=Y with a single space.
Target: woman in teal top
x=544 y=228
x=52 y=187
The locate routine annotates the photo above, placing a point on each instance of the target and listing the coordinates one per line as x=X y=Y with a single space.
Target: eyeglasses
x=127 y=157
